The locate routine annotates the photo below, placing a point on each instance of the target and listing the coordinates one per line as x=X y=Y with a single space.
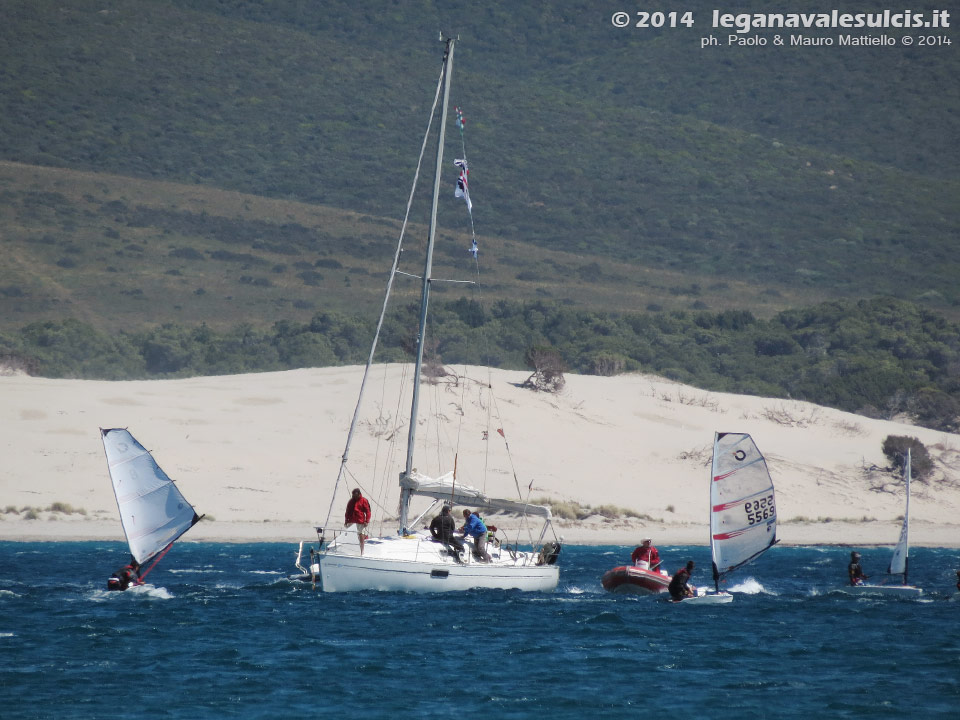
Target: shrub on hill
x=895 y=447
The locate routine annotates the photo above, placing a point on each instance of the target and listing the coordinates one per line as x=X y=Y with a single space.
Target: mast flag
x=463 y=190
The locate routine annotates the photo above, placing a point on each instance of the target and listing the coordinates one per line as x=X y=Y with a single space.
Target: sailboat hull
x=415 y=564
x=704 y=597
x=889 y=590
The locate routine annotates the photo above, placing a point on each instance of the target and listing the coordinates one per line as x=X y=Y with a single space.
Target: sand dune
x=260 y=454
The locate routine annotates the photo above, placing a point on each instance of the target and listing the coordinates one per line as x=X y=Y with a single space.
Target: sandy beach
x=260 y=454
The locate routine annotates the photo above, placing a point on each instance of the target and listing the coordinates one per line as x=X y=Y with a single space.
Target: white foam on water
x=749 y=586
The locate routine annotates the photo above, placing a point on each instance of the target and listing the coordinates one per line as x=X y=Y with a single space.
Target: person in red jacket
x=646 y=553
x=358 y=511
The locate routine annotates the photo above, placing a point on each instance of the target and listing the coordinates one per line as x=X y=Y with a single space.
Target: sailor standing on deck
x=358 y=511
x=474 y=527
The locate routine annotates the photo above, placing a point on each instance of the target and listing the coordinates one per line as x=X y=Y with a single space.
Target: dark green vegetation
x=880 y=358
x=122 y=253
x=829 y=171
x=190 y=186
x=895 y=447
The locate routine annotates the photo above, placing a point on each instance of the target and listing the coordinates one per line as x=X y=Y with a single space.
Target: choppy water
x=220 y=632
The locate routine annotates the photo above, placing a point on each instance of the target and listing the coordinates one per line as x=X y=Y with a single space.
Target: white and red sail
x=743 y=510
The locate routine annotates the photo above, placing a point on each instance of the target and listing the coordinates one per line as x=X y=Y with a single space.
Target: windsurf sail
x=898 y=562
x=743 y=510
x=153 y=511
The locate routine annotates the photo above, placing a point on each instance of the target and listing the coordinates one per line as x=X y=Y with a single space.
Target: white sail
x=898 y=562
x=153 y=512
x=743 y=511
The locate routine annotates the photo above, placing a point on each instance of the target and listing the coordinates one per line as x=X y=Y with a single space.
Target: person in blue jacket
x=473 y=527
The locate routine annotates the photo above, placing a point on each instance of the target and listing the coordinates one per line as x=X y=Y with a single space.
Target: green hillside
x=829 y=172
x=190 y=186
x=122 y=253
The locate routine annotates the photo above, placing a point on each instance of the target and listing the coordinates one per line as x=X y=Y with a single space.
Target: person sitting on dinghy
x=958 y=579
x=474 y=527
x=646 y=553
x=358 y=511
x=855 y=571
x=126 y=576
x=679 y=587
x=442 y=527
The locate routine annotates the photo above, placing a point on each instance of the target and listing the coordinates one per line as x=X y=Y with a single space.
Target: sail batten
x=153 y=511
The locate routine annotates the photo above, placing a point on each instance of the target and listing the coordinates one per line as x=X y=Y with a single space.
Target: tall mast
x=425 y=292
x=906 y=522
x=713 y=552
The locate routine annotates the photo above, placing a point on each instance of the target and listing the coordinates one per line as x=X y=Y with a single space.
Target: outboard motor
x=549 y=553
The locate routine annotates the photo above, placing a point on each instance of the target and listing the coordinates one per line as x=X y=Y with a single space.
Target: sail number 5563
x=760 y=510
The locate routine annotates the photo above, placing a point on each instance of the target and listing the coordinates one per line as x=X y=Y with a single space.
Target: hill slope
x=823 y=173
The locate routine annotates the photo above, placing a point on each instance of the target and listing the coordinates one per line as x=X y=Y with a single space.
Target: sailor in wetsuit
x=679 y=589
x=128 y=575
x=442 y=527
x=854 y=570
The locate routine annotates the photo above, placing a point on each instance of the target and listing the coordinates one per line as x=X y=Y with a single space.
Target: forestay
x=153 y=512
x=743 y=517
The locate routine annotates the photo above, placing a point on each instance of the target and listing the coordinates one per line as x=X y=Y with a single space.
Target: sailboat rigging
x=411 y=559
x=743 y=511
x=153 y=512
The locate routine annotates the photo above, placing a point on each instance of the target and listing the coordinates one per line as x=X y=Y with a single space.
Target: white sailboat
x=153 y=511
x=410 y=560
x=899 y=561
x=743 y=511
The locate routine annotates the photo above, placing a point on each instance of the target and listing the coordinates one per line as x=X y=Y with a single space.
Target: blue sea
x=220 y=632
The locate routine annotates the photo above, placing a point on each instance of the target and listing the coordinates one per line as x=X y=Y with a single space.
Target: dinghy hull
x=629 y=580
x=704 y=597
x=888 y=590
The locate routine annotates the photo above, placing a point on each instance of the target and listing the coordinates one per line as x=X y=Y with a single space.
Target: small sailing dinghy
x=153 y=511
x=899 y=561
x=410 y=559
x=743 y=511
